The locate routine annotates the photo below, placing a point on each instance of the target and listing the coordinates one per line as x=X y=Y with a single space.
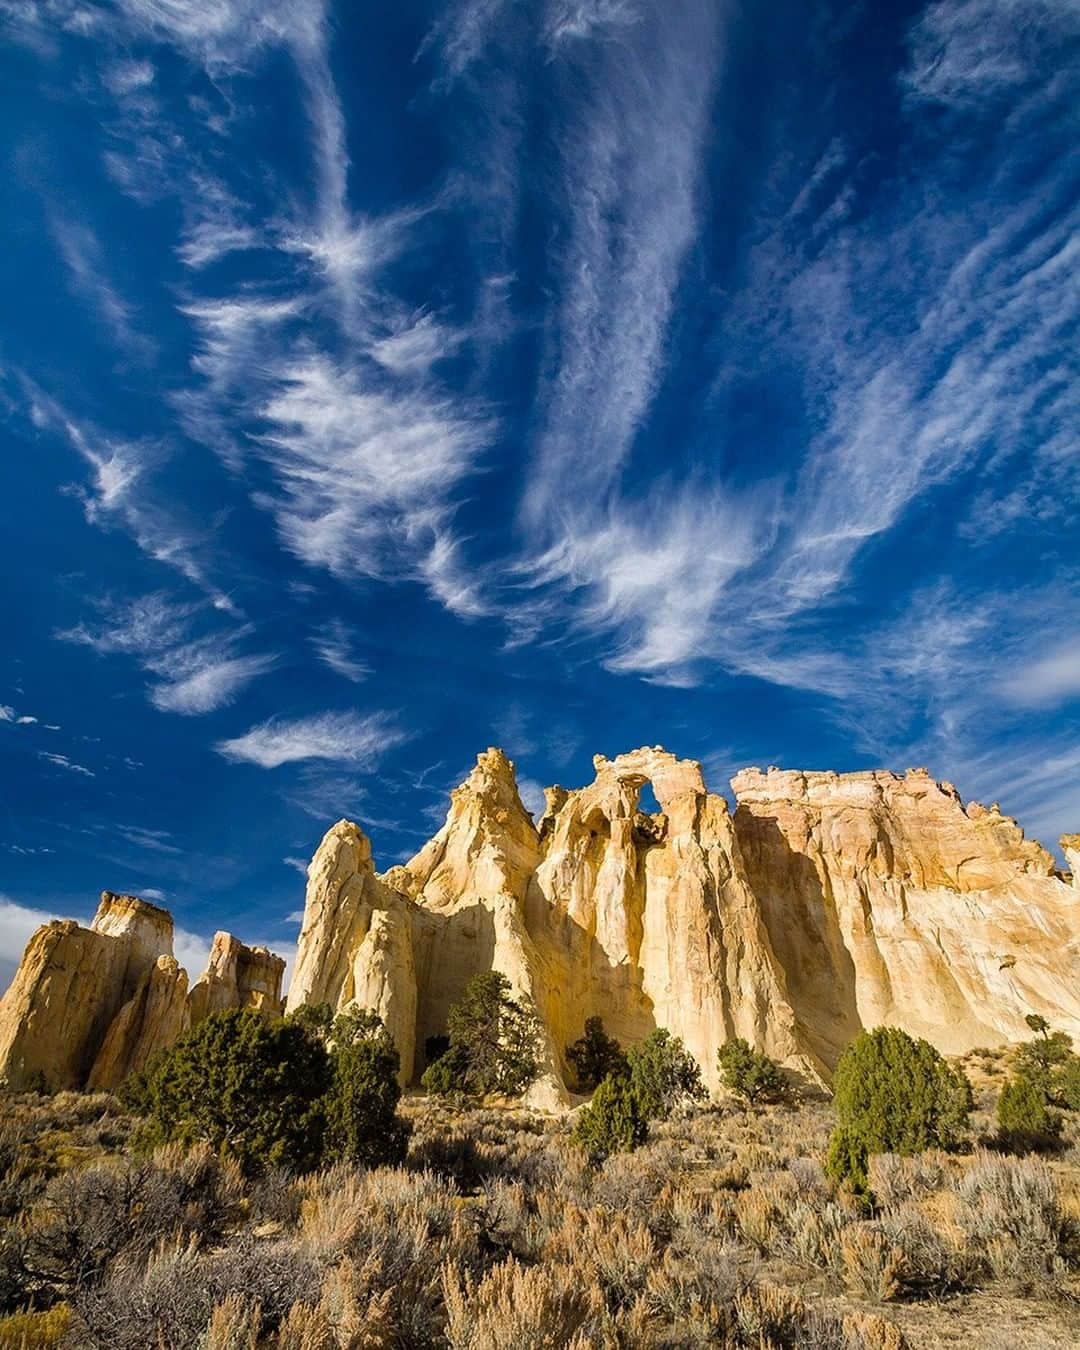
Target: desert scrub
x=893 y=1094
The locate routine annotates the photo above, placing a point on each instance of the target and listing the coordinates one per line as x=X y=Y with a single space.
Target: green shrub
x=750 y=1074
x=595 y=1056
x=1025 y=1122
x=493 y=1043
x=1039 y=1060
x=1067 y=1084
x=362 y=1124
x=893 y=1094
x=613 y=1122
x=664 y=1074
x=252 y=1089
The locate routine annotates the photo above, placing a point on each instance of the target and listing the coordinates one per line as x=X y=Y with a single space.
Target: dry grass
x=721 y=1231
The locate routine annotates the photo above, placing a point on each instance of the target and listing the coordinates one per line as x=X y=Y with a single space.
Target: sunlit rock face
x=88 y=1006
x=237 y=976
x=826 y=904
x=71 y=984
x=889 y=902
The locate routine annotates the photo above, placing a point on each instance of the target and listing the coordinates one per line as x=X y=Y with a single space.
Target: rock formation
x=150 y=1021
x=71 y=985
x=889 y=902
x=88 y=1006
x=826 y=903
x=237 y=976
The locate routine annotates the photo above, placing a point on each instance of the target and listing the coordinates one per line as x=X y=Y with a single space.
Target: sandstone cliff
x=70 y=986
x=88 y=1006
x=827 y=903
x=889 y=902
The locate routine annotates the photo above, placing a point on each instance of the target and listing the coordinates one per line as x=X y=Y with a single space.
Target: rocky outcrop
x=648 y=920
x=147 y=1023
x=71 y=985
x=88 y=1006
x=356 y=940
x=827 y=903
x=237 y=976
x=888 y=902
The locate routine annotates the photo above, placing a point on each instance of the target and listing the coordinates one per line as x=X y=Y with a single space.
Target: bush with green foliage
x=362 y=1124
x=493 y=1043
x=1040 y=1060
x=1067 y=1084
x=596 y=1056
x=613 y=1122
x=749 y=1073
x=252 y=1089
x=893 y=1094
x=664 y=1074
x=1025 y=1122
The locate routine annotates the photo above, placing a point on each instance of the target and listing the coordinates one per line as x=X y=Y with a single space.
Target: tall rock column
x=469 y=884
x=356 y=940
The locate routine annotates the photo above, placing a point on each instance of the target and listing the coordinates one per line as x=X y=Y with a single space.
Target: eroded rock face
x=356 y=940
x=890 y=903
x=88 y=1006
x=237 y=976
x=828 y=903
x=71 y=984
x=150 y=1021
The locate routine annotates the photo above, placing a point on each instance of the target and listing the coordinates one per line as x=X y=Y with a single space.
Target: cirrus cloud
x=341 y=737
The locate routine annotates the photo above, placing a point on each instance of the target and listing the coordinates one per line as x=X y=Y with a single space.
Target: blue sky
x=378 y=383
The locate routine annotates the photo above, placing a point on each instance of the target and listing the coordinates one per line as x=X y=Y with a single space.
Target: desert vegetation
x=438 y=1221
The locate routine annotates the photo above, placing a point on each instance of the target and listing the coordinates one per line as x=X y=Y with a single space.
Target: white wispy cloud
x=1049 y=679
x=334 y=642
x=928 y=337
x=8 y=714
x=342 y=737
x=152 y=893
x=632 y=161
x=964 y=51
x=215 y=224
x=364 y=476
x=63 y=762
x=568 y=19
x=87 y=271
x=226 y=35
x=419 y=343
x=157 y=841
x=125 y=76
x=195 y=674
x=121 y=491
